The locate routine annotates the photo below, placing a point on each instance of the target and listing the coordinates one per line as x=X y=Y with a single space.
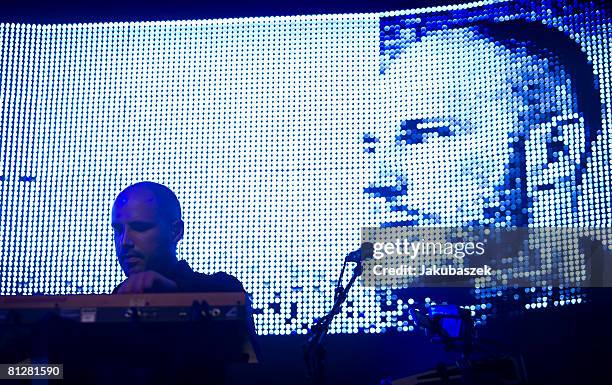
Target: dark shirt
x=189 y=281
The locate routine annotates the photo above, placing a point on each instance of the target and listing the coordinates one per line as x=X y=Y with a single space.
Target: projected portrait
x=486 y=124
x=482 y=125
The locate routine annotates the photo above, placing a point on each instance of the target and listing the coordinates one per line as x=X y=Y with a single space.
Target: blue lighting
x=284 y=136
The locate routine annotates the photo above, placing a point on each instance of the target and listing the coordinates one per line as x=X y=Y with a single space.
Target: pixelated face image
x=143 y=239
x=453 y=100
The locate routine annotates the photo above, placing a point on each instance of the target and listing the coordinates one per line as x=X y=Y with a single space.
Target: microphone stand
x=314 y=351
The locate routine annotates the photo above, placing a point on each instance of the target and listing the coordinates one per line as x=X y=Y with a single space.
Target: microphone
x=365 y=252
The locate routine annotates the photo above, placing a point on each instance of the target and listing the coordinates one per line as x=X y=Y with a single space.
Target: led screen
x=283 y=137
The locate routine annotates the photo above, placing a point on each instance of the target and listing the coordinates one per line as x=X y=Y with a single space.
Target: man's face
x=442 y=148
x=143 y=240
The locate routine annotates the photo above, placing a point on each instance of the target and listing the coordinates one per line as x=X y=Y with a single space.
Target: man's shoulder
x=220 y=281
x=190 y=281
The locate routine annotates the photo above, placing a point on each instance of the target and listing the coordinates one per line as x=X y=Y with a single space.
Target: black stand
x=314 y=351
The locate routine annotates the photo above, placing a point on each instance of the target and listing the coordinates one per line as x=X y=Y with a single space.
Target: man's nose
x=389 y=177
x=125 y=240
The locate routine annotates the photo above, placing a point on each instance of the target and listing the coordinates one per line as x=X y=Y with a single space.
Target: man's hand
x=147 y=281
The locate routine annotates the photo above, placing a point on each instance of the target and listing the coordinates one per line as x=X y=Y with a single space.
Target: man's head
x=147 y=225
x=482 y=128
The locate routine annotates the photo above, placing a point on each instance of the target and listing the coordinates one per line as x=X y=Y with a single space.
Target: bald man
x=147 y=226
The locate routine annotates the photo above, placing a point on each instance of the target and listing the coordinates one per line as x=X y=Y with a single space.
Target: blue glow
x=284 y=136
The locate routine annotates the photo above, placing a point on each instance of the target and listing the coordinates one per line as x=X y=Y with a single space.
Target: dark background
x=73 y=11
x=566 y=345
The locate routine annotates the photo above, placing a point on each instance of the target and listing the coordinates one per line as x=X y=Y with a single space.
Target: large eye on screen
x=414 y=131
x=421 y=130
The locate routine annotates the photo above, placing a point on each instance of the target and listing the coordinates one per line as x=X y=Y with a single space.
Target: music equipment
x=139 y=338
x=175 y=307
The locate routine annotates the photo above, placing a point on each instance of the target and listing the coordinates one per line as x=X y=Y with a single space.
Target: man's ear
x=553 y=151
x=177 y=229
